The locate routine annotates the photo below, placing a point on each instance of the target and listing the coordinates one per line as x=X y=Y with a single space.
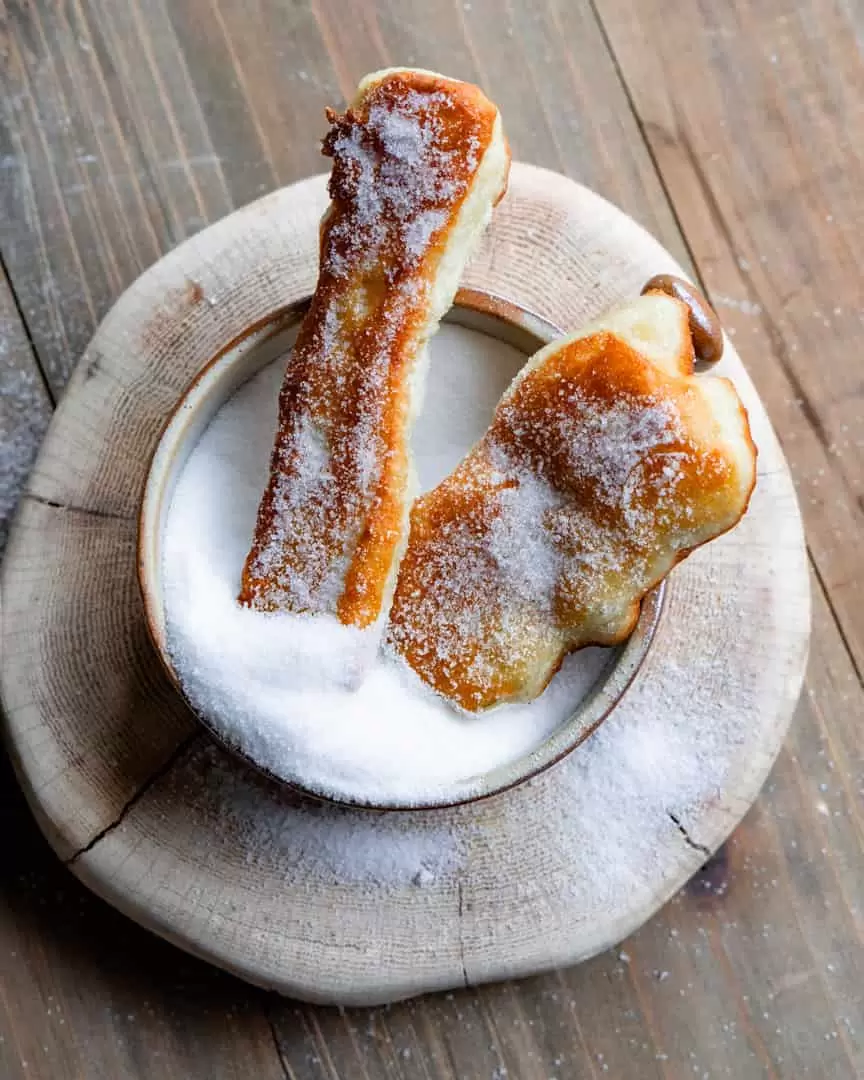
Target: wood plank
x=265 y=122
x=25 y=407
x=765 y=168
x=78 y=221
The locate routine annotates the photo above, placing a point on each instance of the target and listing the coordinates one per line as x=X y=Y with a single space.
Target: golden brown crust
x=599 y=472
x=331 y=522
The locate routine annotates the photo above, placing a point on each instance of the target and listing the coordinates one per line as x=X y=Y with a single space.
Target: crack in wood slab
x=111 y=515
x=153 y=779
x=461 y=913
x=688 y=839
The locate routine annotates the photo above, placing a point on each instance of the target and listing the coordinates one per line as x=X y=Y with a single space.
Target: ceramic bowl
x=212 y=387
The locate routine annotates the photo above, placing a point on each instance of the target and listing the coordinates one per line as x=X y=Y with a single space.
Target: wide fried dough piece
x=607 y=461
x=419 y=161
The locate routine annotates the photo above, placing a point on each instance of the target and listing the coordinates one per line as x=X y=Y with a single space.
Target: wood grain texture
x=775 y=991
x=186 y=842
x=25 y=407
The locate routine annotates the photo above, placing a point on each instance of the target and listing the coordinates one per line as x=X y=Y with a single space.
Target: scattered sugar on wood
x=306 y=696
x=270 y=828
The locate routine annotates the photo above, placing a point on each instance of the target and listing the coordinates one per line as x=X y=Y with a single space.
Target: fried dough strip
x=419 y=161
x=607 y=461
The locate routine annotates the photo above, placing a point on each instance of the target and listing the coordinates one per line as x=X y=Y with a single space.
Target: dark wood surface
x=733 y=131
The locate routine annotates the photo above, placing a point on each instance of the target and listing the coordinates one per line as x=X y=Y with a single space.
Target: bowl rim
x=634 y=650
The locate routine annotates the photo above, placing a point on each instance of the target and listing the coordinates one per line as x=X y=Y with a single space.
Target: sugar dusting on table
x=305 y=696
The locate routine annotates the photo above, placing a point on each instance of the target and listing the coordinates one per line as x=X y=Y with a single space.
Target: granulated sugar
x=305 y=696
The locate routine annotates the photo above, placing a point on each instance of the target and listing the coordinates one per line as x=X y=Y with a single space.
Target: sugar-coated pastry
x=607 y=461
x=419 y=161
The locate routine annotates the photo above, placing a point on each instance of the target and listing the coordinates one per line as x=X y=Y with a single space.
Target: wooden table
x=733 y=131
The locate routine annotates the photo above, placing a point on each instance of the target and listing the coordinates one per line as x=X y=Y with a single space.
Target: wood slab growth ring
x=350 y=907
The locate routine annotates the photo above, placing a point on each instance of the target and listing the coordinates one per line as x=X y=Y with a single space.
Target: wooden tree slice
x=344 y=906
